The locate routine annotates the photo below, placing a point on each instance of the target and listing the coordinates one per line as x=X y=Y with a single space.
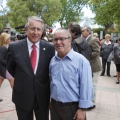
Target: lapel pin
x=43 y=48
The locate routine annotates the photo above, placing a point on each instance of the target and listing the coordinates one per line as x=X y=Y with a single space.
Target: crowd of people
x=60 y=77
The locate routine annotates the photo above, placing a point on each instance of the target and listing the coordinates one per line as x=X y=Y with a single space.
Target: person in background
x=13 y=38
x=106 y=49
x=16 y=39
x=28 y=62
x=96 y=36
x=78 y=44
x=116 y=52
x=4 y=74
x=70 y=80
x=94 y=58
x=44 y=36
x=116 y=70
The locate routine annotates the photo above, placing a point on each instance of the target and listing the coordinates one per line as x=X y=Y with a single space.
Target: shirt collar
x=70 y=55
x=88 y=37
x=107 y=43
x=30 y=43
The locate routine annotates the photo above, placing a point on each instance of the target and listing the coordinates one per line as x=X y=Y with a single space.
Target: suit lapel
x=25 y=53
x=89 y=39
x=42 y=50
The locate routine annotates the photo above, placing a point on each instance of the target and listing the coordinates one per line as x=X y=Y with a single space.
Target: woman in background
x=96 y=36
x=4 y=74
x=106 y=49
x=116 y=52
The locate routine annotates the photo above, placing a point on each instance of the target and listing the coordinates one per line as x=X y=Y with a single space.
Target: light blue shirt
x=71 y=79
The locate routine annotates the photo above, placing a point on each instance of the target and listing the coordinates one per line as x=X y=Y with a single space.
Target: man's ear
x=70 y=40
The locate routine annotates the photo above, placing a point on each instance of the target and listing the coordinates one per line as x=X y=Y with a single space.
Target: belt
x=64 y=104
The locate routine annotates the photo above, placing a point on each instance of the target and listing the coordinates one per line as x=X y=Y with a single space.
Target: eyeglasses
x=61 y=39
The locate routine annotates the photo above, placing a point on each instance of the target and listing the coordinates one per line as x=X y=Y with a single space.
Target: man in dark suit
x=31 y=91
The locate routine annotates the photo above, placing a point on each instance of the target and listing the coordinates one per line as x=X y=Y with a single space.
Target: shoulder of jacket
x=78 y=40
x=43 y=42
x=93 y=40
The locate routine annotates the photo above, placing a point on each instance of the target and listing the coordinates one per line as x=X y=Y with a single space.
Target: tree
x=71 y=11
x=21 y=9
x=3 y=16
x=106 y=11
x=51 y=11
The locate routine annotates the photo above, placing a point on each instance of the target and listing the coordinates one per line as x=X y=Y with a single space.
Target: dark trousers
x=60 y=111
x=104 y=62
x=28 y=114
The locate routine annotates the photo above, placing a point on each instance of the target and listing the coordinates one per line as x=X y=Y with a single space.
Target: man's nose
x=35 y=31
x=58 y=41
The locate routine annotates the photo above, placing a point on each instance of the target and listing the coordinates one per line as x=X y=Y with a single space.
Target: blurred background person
x=106 y=49
x=94 y=58
x=44 y=35
x=78 y=44
x=116 y=52
x=4 y=74
x=96 y=36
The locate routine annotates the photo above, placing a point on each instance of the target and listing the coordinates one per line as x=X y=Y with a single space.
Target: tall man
x=28 y=63
x=70 y=80
x=94 y=57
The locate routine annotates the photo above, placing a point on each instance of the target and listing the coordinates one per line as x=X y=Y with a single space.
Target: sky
x=87 y=14
x=3 y=2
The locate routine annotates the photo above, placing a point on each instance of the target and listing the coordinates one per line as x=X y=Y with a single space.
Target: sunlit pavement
x=107 y=100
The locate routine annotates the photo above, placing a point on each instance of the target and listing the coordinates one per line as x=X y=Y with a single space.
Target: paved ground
x=107 y=100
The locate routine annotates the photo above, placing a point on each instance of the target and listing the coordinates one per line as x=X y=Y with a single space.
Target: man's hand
x=79 y=115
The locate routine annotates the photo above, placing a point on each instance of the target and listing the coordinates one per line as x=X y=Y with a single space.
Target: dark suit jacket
x=3 y=55
x=26 y=84
x=106 y=50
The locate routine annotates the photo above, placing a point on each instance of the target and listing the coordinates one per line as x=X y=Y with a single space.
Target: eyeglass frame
x=61 y=39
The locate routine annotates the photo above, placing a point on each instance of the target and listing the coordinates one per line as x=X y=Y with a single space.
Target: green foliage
x=97 y=30
x=21 y=9
x=71 y=11
x=51 y=11
x=107 y=11
x=3 y=16
x=2 y=22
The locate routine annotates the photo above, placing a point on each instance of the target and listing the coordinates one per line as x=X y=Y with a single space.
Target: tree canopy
x=51 y=11
x=3 y=15
x=21 y=9
x=71 y=11
x=106 y=11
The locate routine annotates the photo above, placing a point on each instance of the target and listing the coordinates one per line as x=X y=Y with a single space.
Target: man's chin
x=59 y=50
x=35 y=40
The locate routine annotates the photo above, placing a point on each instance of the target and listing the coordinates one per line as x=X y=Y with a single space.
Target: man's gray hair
x=34 y=18
x=68 y=32
x=89 y=30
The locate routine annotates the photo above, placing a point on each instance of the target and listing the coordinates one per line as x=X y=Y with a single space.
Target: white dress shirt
x=30 y=50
